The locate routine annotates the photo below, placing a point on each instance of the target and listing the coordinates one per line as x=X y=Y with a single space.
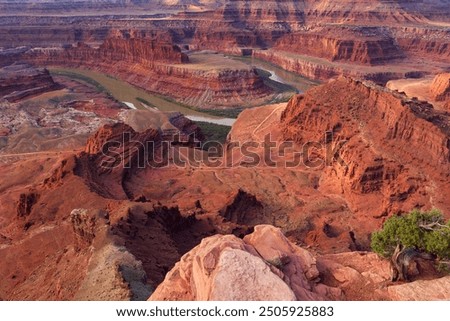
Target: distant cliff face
x=367 y=46
x=143 y=51
x=162 y=68
x=440 y=88
x=393 y=152
x=376 y=11
x=262 y=11
x=19 y=81
x=345 y=31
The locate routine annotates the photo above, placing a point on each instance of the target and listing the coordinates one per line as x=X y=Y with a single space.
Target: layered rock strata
x=20 y=81
x=387 y=149
x=161 y=68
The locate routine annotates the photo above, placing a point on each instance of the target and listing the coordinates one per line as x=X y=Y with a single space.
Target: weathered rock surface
x=125 y=227
x=263 y=266
x=160 y=67
x=424 y=290
x=242 y=208
x=314 y=67
x=19 y=81
x=378 y=143
x=111 y=153
x=366 y=46
x=143 y=51
x=440 y=88
x=266 y=266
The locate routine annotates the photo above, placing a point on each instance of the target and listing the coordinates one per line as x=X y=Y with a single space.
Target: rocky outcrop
x=157 y=236
x=20 y=81
x=143 y=51
x=116 y=152
x=376 y=145
x=424 y=41
x=26 y=203
x=262 y=11
x=112 y=154
x=360 y=45
x=440 y=88
x=323 y=69
x=187 y=127
x=375 y=12
x=360 y=275
x=424 y=290
x=264 y=266
x=83 y=224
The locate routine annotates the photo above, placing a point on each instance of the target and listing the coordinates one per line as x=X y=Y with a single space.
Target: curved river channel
x=133 y=96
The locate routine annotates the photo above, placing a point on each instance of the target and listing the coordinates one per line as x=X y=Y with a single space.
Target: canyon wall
x=145 y=52
x=266 y=11
x=373 y=12
x=20 y=81
x=322 y=69
x=431 y=42
x=346 y=31
x=365 y=45
x=390 y=151
x=219 y=269
x=161 y=68
x=440 y=88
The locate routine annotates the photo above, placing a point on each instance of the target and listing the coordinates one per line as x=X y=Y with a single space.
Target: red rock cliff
x=385 y=153
x=339 y=44
x=161 y=68
x=117 y=49
x=19 y=81
x=440 y=88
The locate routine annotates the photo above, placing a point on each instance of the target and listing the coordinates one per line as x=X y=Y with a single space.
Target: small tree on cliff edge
x=424 y=231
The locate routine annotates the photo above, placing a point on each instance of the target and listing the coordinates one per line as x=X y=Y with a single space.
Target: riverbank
x=138 y=98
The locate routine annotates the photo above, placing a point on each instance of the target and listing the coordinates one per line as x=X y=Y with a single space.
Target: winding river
x=136 y=98
x=279 y=74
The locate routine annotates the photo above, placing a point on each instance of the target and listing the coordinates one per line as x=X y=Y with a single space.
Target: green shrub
x=145 y=102
x=214 y=132
x=425 y=231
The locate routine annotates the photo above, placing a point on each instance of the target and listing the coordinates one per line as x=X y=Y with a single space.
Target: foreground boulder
x=423 y=290
x=264 y=266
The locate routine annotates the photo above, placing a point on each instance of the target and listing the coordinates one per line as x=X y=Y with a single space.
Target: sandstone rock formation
x=369 y=32
x=162 y=68
x=361 y=45
x=20 y=81
x=114 y=151
x=110 y=219
x=375 y=141
x=431 y=290
x=440 y=88
x=264 y=266
x=127 y=227
x=146 y=52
